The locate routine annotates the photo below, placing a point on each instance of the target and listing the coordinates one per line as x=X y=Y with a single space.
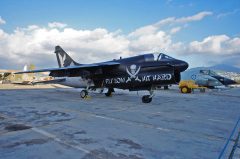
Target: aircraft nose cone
x=229 y=81
x=182 y=65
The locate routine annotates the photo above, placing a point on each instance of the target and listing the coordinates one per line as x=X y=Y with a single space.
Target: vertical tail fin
x=64 y=60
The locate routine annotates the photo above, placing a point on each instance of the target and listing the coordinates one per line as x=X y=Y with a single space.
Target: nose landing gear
x=83 y=93
x=148 y=98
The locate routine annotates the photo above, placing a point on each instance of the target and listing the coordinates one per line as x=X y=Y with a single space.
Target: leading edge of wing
x=72 y=67
x=54 y=81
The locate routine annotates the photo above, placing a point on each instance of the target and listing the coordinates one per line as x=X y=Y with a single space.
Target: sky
x=203 y=33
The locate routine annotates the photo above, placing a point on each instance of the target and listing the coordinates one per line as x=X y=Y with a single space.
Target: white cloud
x=173 y=20
x=221 y=15
x=175 y=30
x=146 y=30
x=56 y=25
x=159 y=41
x=165 y=21
x=170 y=21
x=218 y=44
x=154 y=38
x=35 y=44
x=2 y=21
x=88 y=46
x=196 y=17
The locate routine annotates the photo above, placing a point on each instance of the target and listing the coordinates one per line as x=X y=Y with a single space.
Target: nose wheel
x=146 y=99
x=83 y=93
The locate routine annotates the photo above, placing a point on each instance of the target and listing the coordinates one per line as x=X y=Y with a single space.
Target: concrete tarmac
x=57 y=123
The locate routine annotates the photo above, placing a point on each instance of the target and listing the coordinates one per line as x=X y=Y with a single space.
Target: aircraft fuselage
x=134 y=73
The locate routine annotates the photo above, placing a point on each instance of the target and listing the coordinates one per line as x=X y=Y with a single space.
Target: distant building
x=8 y=76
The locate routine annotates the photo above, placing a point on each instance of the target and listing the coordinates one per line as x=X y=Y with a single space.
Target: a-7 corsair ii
x=143 y=72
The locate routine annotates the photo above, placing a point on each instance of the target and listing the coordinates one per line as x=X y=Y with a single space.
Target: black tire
x=109 y=93
x=146 y=99
x=83 y=93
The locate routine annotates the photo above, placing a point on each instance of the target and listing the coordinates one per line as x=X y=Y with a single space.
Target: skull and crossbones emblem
x=133 y=71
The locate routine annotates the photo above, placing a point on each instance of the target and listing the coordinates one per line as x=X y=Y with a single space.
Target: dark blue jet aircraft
x=143 y=72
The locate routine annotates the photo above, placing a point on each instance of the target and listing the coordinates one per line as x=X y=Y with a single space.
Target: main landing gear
x=109 y=92
x=84 y=93
x=145 y=98
x=148 y=98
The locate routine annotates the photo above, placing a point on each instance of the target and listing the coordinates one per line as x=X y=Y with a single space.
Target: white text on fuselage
x=146 y=78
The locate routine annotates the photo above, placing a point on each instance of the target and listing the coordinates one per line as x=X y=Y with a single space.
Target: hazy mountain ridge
x=218 y=68
x=226 y=68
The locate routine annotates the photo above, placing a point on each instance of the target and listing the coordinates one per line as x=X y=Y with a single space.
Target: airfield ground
x=56 y=123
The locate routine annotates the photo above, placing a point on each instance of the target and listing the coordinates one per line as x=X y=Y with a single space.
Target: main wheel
x=83 y=93
x=165 y=87
x=109 y=93
x=146 y=99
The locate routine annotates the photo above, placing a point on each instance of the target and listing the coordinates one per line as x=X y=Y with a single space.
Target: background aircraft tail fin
x=64 y=60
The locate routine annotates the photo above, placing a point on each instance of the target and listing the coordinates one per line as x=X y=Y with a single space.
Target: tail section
x=64 y=60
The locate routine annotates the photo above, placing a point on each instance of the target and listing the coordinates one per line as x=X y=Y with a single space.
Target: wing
x=74 y=68
x=54 y=81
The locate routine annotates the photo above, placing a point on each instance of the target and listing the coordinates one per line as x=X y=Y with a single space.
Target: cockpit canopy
x=208 y=72
x=157 y=57
x=161 y=56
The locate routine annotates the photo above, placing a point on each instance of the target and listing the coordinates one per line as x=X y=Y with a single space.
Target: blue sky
x=127 y=16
